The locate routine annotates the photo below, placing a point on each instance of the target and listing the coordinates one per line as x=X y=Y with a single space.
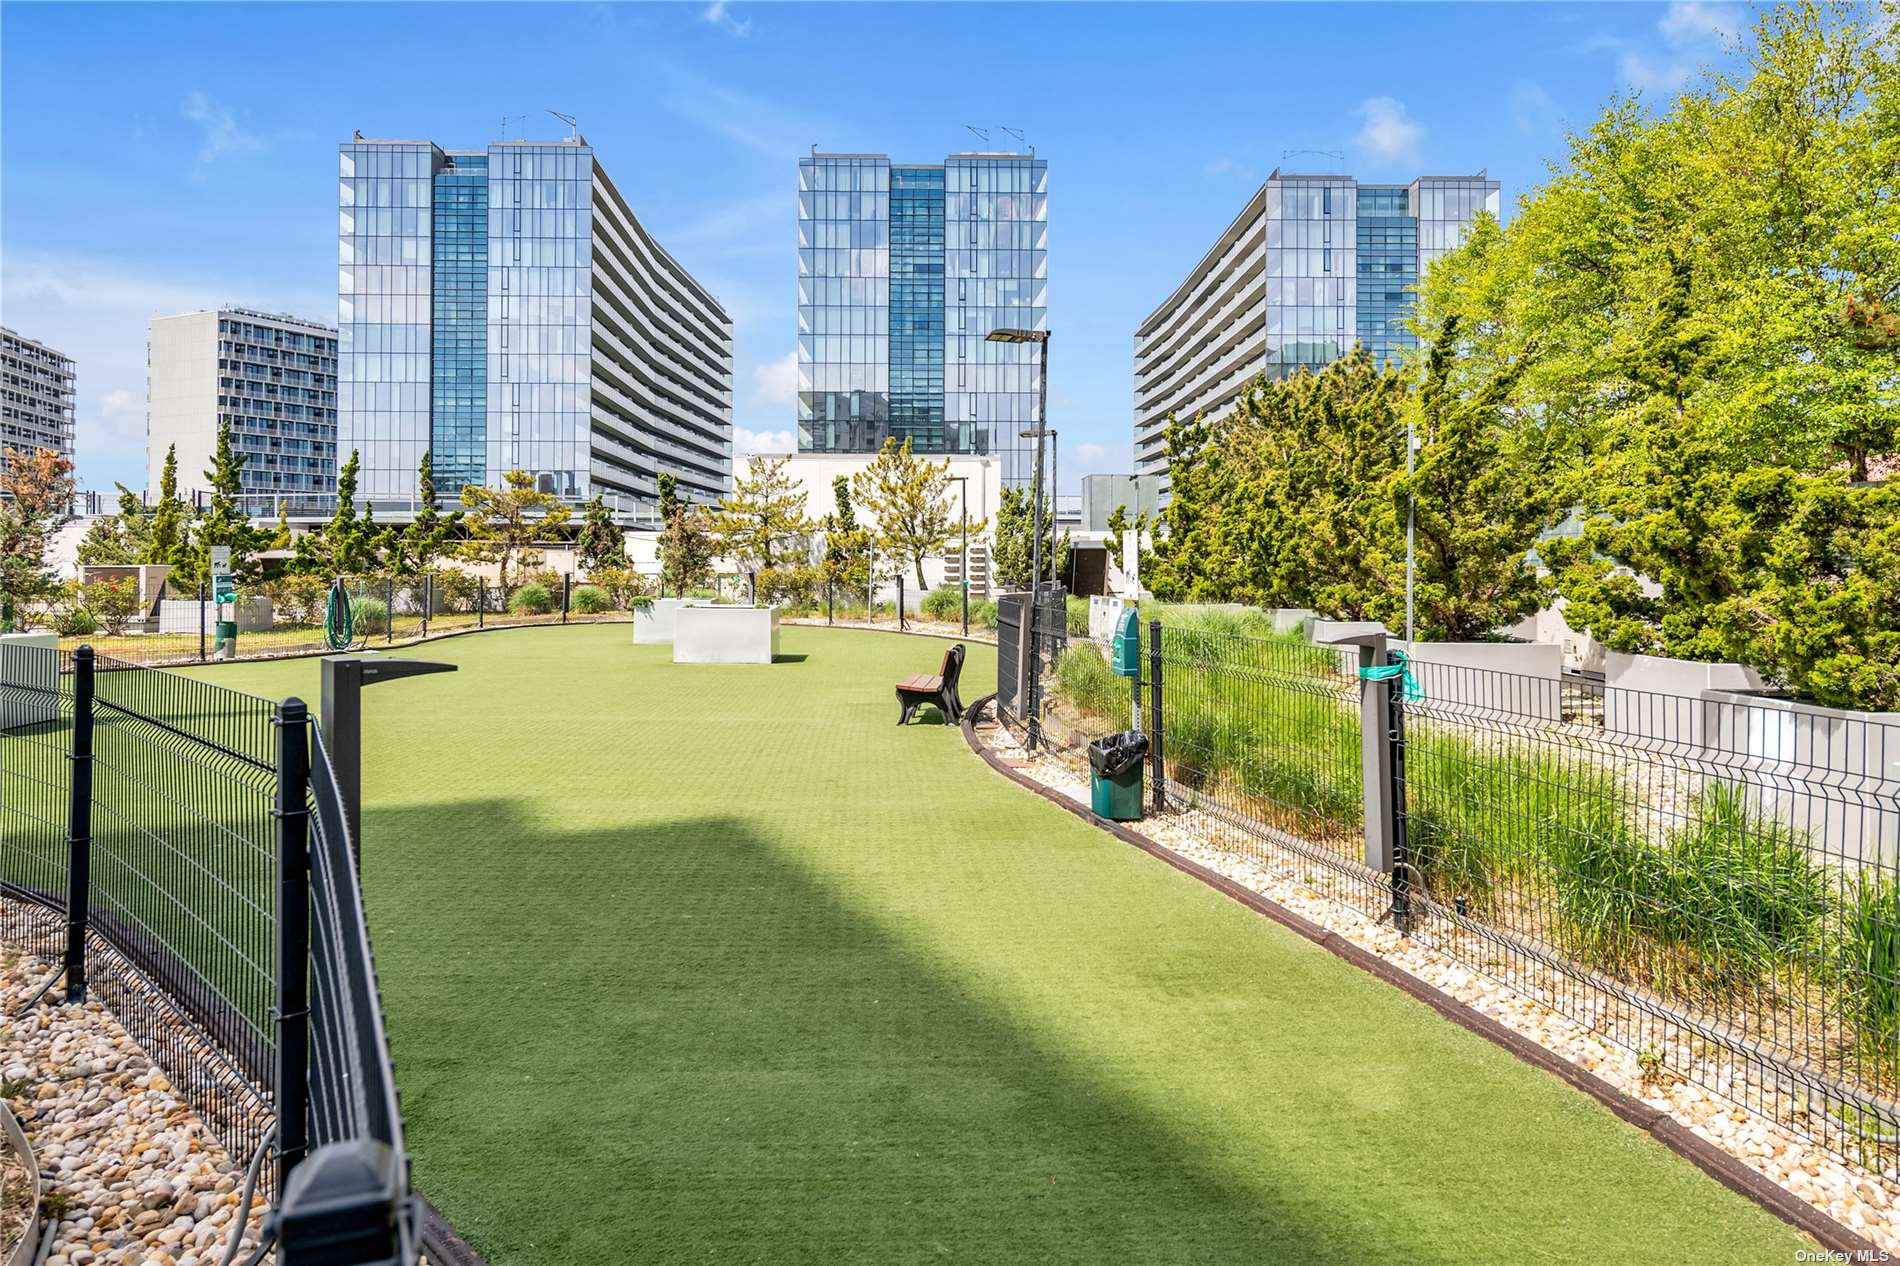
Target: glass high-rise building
x=503 y=309
x=1310 y=266
x=903 y=269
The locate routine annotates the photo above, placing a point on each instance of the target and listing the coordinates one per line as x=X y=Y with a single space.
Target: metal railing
x=180 y=851
x=1709 y=881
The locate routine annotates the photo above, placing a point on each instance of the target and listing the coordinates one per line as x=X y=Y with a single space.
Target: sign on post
x=222 y=588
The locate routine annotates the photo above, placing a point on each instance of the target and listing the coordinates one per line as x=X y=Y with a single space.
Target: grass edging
x=1658 y=1124
x=439 y=1238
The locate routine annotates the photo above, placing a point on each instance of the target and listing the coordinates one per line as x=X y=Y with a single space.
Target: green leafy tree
x=847 y=544
x=909 y=499
x=413 y=551
x=687 y=547
x=224 y=522
x=505 y=525
x=762 y=522
x=167 y=541
x=601 y=542
x=348 y=543
x=36 y=496
x=1011 y=553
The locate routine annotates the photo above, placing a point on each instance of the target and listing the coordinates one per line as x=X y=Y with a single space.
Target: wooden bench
x=921 y=688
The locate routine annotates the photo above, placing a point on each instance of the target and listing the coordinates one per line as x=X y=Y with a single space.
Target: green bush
x=1083 y=679
x=589 y=600
x=457 y=590
x=297 y=600
x=532 y=598
x=945 y=603
x=983 y=615
x=74 y=621
x=799 y=586
x=1870 y=959
x=1078 y=615
x=369 y=615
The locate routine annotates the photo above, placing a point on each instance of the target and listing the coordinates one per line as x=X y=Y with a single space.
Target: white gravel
x=1861 y=1198
x=140 y=1176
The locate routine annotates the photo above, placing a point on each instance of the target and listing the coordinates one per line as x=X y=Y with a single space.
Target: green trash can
x=1115 y=776
x=224 y=639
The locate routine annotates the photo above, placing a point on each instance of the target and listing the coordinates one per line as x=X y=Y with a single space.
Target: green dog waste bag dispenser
x=1125 y=658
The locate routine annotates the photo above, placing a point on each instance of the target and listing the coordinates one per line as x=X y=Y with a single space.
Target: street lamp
x=1041 y=339
x=963 y=497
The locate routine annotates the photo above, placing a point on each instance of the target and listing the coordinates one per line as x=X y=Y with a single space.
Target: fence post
x=1032 y=675
x=752 y=588
x=481 y=603
x=79 y=828
x=1395 y=793
x=900 y=602
x=428 y=600
x=827 y=602
x=1159 y=771
x=201 y=619
x=389 y=610
x=1375 y=755
x=293 y=936
x=567 y=591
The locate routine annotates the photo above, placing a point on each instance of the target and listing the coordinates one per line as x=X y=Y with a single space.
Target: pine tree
x=601 y=543
x=505 y=524
x=909 y=500
x=348 y=544
x=763 y=518
x=847 y=545
x=166 y=542
x=413 y=550
x=224 y=521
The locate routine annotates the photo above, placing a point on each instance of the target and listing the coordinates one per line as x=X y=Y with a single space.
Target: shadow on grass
x=666 y=1043
x=789 y=659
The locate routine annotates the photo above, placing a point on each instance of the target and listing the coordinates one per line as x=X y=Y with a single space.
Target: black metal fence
x=179 y=849
x=1030 y=642
x=1708 y=881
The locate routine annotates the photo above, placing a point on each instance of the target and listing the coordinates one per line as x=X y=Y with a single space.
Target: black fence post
x=567 y=592
x=292 y=823
x=201 y=621
x=428 y=600
x=79 y=828
x=827 y=602
x=1401 y=861
x=900 y=602
x=481 y=603
x=389 y=610
x=1032 y=682
x=752 y=588
x=1158 y=771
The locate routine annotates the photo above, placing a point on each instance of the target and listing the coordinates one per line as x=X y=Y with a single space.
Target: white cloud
x=775 y=384
x=98 y=311
x=1692 y=22
x=1387 y=131
x=1229 y=167
x=746 y=441
x=221 y=132
x=1532 y=110
x=1646 y=76
x=718 y=14
x=1091 y=454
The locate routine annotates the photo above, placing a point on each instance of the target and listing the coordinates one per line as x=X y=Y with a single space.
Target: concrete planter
x=29 y=679
x=654 y=625
x=1653 y=697
x=725 y=635
x=1513 y=680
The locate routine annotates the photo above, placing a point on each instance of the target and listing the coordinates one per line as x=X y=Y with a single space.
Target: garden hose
x=339 y=619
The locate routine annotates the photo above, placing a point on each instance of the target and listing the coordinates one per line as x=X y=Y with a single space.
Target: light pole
x=1411 y=528
x=963 y=501
x=1041 y=339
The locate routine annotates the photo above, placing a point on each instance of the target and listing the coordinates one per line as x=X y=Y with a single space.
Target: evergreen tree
x=909 y=500
x=348 y=544
x=504 y=525
x=36 y=495
x=686 y=547
x=847 y=544
x=414 y=550
x=601 y=543
x=224 y=521
x=762 y=521
x=1011 y=549
x=167 y=540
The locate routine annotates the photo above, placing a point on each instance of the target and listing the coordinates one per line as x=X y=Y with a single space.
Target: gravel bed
x=1863 y=1199
x=134 y=1174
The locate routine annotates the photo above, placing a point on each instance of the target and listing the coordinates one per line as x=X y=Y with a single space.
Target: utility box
x=1125 y=658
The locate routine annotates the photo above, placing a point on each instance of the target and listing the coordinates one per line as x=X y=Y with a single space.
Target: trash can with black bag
x=1115 y=776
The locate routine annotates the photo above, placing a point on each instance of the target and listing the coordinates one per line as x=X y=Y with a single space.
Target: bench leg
x=908 y=707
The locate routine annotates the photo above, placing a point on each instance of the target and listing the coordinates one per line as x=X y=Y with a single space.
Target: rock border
x=1658 y=1124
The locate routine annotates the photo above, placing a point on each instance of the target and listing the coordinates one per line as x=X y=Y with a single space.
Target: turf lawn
x=716 y=964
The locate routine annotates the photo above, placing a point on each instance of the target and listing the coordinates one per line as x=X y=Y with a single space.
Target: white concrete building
x=36 y=396
x=273 y=377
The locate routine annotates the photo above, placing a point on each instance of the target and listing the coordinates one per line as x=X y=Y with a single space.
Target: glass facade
x=1343 y=261
x=916 y=317
x=386 y=196
x=540 y=275
x=458 y=388
x=903 y=271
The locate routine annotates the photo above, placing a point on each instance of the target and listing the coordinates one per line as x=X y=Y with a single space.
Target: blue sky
x=156 y=159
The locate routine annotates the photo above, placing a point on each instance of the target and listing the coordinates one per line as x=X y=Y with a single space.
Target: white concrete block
x=725 y=635
x=655 y=623
x=29 y=679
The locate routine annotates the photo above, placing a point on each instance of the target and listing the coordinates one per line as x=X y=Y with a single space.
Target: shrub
x=945 y=603
x=1870 y=962
x=1083 y=679
x=799 y=586
x=297 y=599
x=622 y=585
x=114 y=603
x=74 y=621
x=1077 y=615
x=983 y=614
x=588 y=600
x=532 y=598
x=457 y=590
x=369 y=615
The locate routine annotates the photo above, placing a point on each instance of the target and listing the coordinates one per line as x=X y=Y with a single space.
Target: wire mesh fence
x=145 y=829
x=1708 y=881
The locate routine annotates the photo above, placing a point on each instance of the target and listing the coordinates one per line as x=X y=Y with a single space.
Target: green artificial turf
x=716 y=964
